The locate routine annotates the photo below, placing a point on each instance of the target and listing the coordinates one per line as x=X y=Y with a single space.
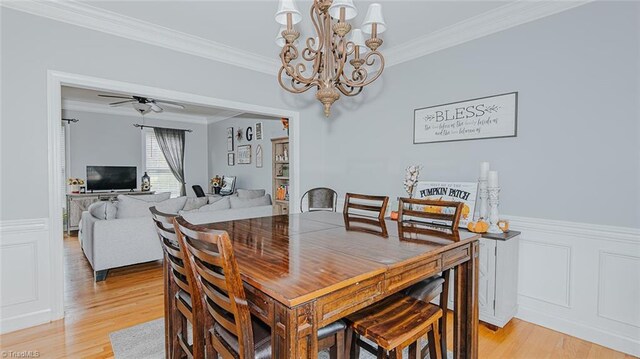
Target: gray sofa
x=122 y=233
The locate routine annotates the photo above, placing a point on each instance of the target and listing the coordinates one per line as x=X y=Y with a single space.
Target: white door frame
x=55 y=81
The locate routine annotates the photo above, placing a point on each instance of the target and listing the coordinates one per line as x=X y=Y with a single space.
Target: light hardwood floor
x=133 y=295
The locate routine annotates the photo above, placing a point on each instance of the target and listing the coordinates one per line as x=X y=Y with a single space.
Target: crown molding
x=81 y=14
x=91 y=17
x=72 y=105
x=496 y=20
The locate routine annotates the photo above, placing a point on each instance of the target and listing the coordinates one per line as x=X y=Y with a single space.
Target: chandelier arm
x=316 y=24
x=292 y=88
x=342 y=60
x=369 y=61
x=298 y=76
x=350 y=92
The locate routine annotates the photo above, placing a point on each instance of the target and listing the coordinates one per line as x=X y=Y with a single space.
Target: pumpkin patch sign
x=464 y=192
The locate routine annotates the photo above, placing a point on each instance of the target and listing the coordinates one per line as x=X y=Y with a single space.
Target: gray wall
x=577 y=155
x=576 y=72
x=111 y=140
x=31 y=45
x=248 y=176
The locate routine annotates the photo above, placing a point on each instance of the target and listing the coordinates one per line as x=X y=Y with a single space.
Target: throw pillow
x=195 y=203
x=219 y=205
x=251 y=193
x=157 y=197
x=171 y=205
x=237 y=202
x=103 y=210
x=131 y=207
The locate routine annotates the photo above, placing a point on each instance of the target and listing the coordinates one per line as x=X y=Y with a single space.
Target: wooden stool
x=394 y=324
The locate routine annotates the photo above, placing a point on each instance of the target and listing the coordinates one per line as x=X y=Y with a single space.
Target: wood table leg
x=295 y=334
x=465 y=316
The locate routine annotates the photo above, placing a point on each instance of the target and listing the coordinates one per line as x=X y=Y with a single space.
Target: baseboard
x=24 y=321
x=580 y=330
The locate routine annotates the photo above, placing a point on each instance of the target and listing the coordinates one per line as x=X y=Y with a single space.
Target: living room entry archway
x=55 y=81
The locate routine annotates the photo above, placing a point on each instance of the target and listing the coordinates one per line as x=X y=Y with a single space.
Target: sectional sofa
x=122 y=233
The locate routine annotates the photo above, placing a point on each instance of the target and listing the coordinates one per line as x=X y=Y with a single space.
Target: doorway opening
x=206 y=153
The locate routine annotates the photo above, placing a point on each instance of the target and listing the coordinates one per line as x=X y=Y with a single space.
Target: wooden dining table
x=304 y=271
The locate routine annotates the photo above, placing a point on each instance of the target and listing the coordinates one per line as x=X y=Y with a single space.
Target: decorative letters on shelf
x=485 y=117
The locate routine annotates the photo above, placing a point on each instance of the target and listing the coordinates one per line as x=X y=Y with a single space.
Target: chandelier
x=331 y=51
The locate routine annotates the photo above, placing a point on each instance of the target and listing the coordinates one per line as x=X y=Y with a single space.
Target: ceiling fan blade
x=171 y=104
x=121 y=102
x=112 y=96
x=155 y=107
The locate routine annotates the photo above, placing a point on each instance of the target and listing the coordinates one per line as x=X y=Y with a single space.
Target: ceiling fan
x=143 y=104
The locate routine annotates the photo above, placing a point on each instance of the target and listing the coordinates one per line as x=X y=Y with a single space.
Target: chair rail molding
x=81 y=14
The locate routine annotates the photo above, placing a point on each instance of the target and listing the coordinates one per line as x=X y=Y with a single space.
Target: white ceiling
x=250 y=25
x=74 y=98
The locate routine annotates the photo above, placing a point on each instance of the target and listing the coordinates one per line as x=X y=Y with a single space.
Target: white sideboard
x=497 y=279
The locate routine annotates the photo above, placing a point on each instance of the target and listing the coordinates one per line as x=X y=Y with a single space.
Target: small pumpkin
x=478 y=227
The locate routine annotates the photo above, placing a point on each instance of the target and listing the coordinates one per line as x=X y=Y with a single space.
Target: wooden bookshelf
x=280 y=160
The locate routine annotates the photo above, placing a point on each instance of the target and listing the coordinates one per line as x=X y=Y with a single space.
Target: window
x=162 y=179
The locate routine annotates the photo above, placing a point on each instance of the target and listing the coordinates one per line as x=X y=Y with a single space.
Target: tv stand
x=80 y=202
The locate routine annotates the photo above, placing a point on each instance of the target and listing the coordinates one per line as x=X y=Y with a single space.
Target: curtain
x=171 y=143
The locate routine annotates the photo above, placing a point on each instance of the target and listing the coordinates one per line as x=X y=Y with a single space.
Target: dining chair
x=197 y=189
x=393 y=324
x=179 y=311
x=231 y=330
x=366 y=210
x=319 y=199
x=430 y=217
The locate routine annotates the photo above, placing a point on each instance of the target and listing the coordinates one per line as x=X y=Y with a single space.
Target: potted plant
x=75 y=184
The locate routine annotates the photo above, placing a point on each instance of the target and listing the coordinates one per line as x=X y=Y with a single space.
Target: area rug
x=146 y=341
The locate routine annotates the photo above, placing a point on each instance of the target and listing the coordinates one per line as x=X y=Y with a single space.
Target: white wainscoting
x=25 y=298
x=581 y=279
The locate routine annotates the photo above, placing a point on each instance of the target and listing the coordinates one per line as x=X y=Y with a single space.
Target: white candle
x=484 y=170
x=493 y=179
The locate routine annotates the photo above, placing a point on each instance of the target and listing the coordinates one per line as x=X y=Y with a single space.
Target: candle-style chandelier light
x=337 y=63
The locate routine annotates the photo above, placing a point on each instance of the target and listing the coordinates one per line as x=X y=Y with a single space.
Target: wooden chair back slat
x=212 y=266
x=171 y=247
x=365 y=209
x=220 y=299
x=176 y=280
x=425 y=215
x=408 y=218
x=221 y=319
x=373 y=206
x=212 y=278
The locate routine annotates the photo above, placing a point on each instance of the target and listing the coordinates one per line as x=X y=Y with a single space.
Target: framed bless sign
x=485 y=117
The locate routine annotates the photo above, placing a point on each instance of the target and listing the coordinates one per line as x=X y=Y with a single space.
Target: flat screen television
x=109 y=178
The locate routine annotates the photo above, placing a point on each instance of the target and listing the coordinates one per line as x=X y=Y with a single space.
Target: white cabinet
x=497 y=278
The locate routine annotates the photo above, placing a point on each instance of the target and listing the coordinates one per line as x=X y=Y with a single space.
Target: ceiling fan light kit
x=330 y=51
x=143 y=105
